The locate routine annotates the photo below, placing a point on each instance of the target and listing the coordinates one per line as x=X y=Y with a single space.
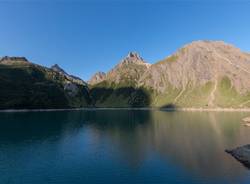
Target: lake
x=121 y=146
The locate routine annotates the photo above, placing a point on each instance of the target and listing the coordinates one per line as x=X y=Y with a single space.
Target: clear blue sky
x=85 y=37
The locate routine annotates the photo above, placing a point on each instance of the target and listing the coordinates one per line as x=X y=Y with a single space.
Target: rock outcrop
x=242 y=154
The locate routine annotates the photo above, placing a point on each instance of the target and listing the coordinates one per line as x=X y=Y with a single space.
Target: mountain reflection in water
x=141 y=146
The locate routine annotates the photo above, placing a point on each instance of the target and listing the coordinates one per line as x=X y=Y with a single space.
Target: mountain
x=118 y=88
x=28 y=85
x=202 y=74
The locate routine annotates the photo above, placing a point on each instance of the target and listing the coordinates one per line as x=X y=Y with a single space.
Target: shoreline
x=128 y=108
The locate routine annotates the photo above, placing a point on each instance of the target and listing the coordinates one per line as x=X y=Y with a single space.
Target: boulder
x=242 y=154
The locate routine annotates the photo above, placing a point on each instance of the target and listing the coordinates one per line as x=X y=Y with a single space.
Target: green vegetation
x=111 y=95
x=189 y=97
x=227 y=96
x=172 y=58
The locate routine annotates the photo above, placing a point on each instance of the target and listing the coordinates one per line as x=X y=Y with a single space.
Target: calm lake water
x=121 y=146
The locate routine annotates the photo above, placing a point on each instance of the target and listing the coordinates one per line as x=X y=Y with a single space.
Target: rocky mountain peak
x=73 y=78
x=133 y=57
x=13 y=60
x=57 y=68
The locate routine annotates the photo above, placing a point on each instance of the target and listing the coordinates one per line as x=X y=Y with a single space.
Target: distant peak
x=133 y=57
x=57 y=68
x=13 y=59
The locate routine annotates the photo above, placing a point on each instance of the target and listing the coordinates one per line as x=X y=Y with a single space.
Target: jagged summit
x=133 y=57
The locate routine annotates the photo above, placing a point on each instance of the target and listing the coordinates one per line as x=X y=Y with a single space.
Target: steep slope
x=201 y=74
x=119 y=87
x=27 y=85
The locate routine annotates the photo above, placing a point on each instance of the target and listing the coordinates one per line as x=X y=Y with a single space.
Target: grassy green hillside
x=115 y=95
x=227 y=95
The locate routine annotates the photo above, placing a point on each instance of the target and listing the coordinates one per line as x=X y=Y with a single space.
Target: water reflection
x=192 y=141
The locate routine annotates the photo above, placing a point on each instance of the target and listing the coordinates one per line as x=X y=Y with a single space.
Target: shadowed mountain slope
x=28 y=86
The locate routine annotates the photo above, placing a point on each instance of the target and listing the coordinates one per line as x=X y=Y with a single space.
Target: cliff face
x=201 y=74
x=27 y=85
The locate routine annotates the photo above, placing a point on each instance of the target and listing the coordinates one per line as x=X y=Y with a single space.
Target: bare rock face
x=242 y=154
x=133 y=57
x=97 y=78
x=198 y=63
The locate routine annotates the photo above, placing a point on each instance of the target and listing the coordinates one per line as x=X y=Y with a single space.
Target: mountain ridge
x=201 y=74
x=218 y=72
